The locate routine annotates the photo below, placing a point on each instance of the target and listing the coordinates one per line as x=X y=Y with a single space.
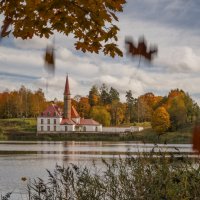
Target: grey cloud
x=176 y=13
x=17 y=76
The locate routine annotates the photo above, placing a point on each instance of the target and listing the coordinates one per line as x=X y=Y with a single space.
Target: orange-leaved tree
x=92 y=23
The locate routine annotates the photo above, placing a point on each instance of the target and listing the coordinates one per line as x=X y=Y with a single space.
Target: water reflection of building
x=54 y=119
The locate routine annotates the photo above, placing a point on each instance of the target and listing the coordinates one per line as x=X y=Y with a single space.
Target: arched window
x=96 y=128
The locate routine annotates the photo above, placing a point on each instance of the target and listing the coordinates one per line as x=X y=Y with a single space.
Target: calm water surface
x=30 y=159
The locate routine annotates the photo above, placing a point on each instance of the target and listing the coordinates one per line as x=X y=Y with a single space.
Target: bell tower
x=67 y=101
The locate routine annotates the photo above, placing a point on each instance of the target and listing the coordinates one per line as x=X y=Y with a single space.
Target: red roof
x=52 y=111
x=74 y=113
x=88 y=122
x=67 y=92
x=67 y=121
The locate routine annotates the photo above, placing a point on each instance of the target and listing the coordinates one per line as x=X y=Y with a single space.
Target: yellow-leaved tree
x=100 y=114
x=160 y=120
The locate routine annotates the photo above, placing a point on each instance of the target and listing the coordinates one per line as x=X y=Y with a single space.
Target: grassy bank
x=25 y=129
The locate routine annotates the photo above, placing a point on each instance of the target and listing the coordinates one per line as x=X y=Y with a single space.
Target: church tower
x=67 y=101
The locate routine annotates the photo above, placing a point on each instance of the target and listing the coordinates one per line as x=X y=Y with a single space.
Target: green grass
x=149 y=136
x=17 y=124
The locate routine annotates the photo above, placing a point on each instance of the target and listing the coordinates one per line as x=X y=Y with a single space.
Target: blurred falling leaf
x=140 y=49
x=6 y=23
x=23 y=178
x=49 y=59
x=196 y=138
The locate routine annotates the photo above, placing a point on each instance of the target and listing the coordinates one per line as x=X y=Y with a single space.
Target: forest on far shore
x=166 y=113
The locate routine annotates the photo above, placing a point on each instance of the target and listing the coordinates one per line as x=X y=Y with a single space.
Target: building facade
x=56 y=120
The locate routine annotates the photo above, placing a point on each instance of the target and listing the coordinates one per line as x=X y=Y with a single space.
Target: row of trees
x=22 y=103
x=173 y=111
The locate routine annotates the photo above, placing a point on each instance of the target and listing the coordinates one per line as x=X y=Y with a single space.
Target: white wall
x=51 y=124
x=61 y=128
x=92 y=128
x=69 y=128
x=122 y=129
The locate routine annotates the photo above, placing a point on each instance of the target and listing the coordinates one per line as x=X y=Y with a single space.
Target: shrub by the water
x=144 y=177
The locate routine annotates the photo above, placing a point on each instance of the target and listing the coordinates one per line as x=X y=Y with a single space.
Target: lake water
x=30 y=159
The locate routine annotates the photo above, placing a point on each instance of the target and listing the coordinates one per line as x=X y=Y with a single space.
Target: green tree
x=192 y=109
x=178 y=113
x=160 y=120
x=130 y=107
x=114 y=95
x=94 y=96
x=100 y=114
x=104 y=95
x=91 y=22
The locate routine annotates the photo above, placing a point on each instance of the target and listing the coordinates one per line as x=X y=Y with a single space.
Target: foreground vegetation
x=144 y=177
x=25 y=129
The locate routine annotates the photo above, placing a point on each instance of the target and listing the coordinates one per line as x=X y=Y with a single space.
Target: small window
x=84 y=128
x=48 y=121
x=65 y=128
x=96 y=129
x=55 y=114
x=41 y=128
x=48 y=128
x=42 y=121
x=54 y=128
x=48 y=114
x=54 y=121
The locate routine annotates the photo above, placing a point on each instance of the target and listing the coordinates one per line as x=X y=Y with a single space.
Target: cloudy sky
x=173 y=25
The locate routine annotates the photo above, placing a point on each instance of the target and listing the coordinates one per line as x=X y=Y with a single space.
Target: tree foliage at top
x=92 y=22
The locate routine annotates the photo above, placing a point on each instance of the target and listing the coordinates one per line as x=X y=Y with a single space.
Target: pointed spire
x=67 y=92
x=67 y=101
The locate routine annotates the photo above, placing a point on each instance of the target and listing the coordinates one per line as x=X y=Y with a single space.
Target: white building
x=54 y=120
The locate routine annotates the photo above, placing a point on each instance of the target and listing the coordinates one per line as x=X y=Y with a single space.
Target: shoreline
x=25 y=130
x=146 y=136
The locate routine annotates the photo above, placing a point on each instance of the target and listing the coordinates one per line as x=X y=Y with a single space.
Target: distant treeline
x=103 y=104
x=22 y=103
